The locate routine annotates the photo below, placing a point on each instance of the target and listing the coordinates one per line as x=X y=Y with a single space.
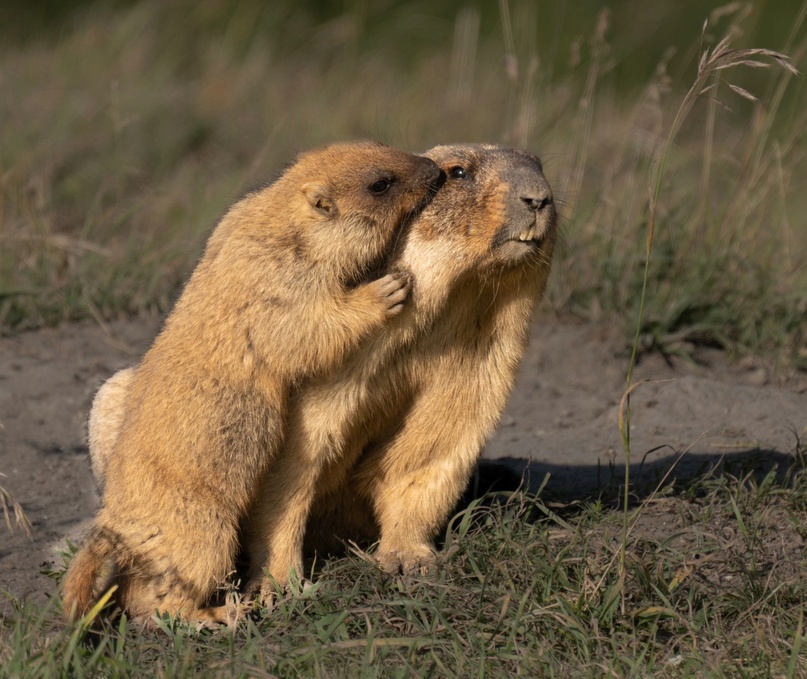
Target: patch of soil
x=561 y=420
x=563 y=415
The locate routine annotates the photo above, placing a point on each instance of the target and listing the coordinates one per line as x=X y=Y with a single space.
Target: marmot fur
x=385 y=443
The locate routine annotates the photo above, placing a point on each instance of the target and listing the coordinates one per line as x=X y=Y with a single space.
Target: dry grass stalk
x=13 y=513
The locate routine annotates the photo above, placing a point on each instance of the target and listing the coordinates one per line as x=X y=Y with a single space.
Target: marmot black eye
x=380 y=187
x=457 y=172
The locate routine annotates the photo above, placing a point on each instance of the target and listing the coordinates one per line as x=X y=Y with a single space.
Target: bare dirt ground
x=561 y=420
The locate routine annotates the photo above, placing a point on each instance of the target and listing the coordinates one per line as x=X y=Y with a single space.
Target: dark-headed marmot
x=275 y=300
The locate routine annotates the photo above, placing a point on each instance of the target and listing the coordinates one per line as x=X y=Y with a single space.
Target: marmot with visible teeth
x=276 y=299
x=385 y=446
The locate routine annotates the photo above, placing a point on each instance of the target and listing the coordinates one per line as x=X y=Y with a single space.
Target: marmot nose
x=530 y=191
x=538 y=201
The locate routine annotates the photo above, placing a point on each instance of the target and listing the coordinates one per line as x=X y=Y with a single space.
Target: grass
x=713 y=585
x=116 y=167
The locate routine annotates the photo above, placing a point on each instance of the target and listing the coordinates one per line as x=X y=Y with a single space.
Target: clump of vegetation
x=713 y=586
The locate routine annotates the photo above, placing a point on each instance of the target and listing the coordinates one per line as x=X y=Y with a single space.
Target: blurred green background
x=128 y=128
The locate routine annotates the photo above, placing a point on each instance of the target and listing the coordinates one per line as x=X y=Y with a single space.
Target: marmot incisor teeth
x=272 y=303
x=386 y=444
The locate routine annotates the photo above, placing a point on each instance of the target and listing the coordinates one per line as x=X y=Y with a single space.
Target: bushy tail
x=92 y=572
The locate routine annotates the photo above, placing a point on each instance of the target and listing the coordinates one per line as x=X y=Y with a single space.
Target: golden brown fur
x=384 y=444
x=272 y=303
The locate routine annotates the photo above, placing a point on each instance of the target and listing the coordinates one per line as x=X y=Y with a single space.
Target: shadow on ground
x=582 y=484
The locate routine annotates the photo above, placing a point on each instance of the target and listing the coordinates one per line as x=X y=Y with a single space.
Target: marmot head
x=496 y=208
x=356 y=197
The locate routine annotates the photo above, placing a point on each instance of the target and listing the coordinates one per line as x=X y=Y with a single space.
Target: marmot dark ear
x=319 y=198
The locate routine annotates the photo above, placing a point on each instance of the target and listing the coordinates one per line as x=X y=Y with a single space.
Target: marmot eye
x=381 y=186
x=457 y=172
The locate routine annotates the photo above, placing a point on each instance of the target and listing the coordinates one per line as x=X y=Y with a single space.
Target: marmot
x=386 y=443
x=276 y=299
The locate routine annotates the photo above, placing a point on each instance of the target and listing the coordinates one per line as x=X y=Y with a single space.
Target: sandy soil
x=561 y=420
